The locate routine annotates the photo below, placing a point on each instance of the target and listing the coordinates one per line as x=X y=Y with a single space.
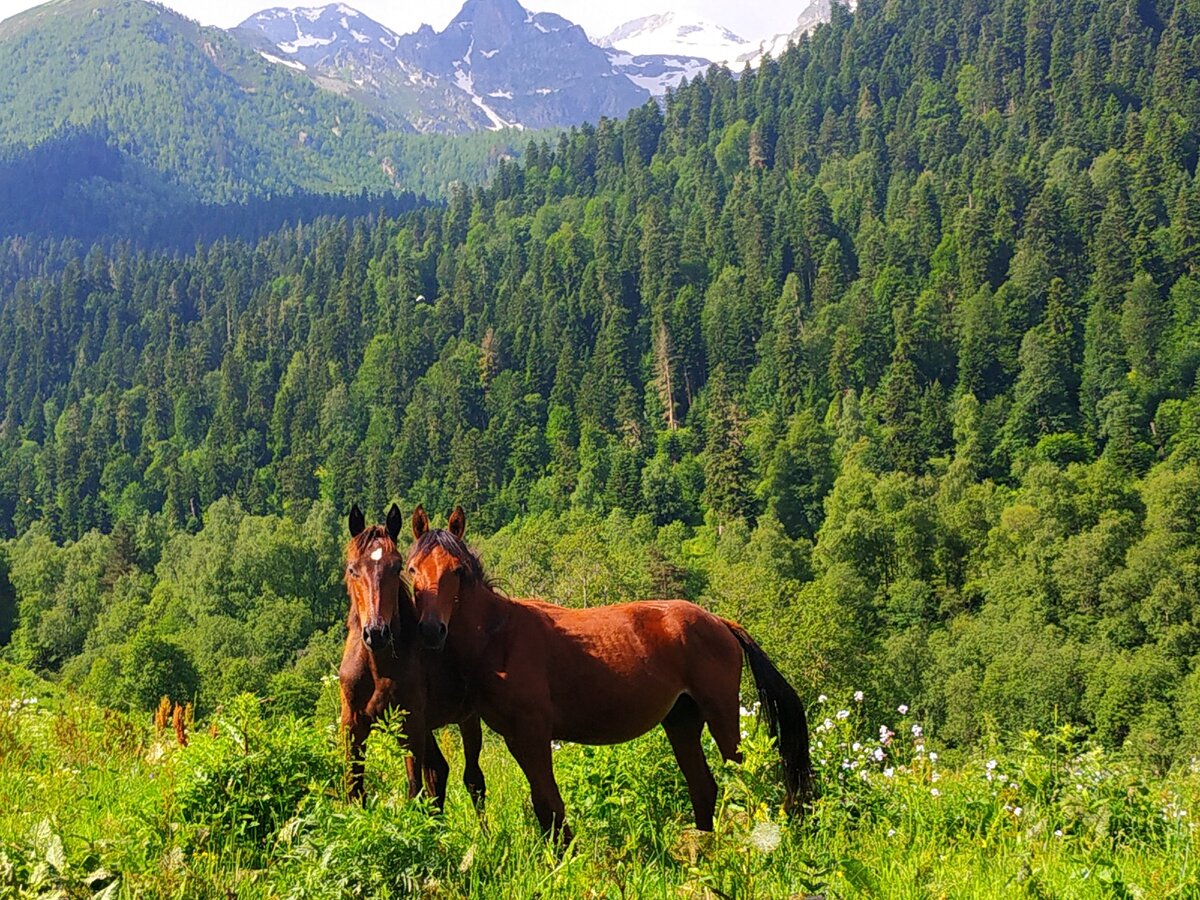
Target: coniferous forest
x=888 y=349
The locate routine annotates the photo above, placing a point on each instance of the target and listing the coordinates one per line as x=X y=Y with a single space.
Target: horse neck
x=481 y=612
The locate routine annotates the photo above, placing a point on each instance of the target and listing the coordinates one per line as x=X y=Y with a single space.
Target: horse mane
x=439 y=537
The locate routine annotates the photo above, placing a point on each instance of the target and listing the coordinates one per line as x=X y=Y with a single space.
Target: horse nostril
x=366 y=636
x=386 y=632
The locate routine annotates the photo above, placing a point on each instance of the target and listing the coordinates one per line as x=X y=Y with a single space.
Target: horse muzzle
x=377 y=634
x=433 y=634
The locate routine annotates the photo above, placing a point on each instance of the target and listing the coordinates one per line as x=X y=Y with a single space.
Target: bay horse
x=538 y=672
x=384 y=667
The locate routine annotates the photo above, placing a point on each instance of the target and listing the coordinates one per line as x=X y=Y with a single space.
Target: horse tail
x=786 y=721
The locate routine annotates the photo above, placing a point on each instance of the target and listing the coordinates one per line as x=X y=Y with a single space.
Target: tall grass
x=94 y=803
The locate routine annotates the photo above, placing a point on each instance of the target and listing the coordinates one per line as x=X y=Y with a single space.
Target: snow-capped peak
x=669 y=34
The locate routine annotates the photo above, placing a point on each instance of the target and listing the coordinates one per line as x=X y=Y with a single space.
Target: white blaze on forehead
x=377 y=554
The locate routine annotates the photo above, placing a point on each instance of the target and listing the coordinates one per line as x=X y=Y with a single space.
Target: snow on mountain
x=496 y=65
x=816 y=13
x=668 y=34
x=656 y=74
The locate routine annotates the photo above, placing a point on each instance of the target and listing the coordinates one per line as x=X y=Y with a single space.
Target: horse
x=538 y=672
x=383 y=667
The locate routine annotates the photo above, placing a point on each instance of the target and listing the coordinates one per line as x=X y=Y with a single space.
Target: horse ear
x=395 y=521
x=420 y=523
x=357 y=521
x=458 y=522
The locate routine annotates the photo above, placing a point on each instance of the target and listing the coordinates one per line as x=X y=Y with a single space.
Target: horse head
x=440 y=567
x=373 y=577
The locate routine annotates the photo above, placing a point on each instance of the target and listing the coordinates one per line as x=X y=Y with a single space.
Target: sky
x=752 y=21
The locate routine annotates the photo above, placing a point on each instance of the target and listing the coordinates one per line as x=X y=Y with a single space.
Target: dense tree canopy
x=888 y=348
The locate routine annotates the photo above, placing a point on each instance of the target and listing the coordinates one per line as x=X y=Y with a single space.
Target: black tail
x=785 y=718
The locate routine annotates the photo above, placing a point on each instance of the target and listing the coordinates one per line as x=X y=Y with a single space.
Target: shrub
x=241 y=781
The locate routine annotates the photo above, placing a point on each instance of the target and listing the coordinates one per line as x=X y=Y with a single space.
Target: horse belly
x=611 y=715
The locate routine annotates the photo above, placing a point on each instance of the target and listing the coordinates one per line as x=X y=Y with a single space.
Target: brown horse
x=383 y=667
x=539 y=672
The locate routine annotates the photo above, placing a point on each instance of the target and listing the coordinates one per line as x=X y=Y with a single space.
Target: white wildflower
x=843 y=713
x=765 y=836
x=889 y=772
x=878 y=754
x=933 y=757
x=935 y=792
x=916 y=730
x=822 y=698
x=858 y=696
x=856 y=746
x=902 y=709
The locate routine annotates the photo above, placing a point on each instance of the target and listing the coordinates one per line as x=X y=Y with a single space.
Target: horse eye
x=412 y=570
x=352 y=571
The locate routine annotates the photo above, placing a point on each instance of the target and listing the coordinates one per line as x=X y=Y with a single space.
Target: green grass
x=96 y=803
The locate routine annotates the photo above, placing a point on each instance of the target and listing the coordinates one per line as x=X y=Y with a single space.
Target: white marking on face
x=377 y=554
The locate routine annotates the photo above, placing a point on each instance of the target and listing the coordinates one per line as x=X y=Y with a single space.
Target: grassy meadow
x=95 y=803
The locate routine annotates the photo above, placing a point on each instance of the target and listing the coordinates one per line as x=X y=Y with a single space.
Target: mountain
x=668 y=34
x=346 y=52
x=658 y=52
x=496 y=65
x=122 y=119
x=816 y=13
x=656 y=73
x=190 y=103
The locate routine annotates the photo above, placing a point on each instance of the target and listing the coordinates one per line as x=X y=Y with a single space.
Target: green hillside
x=121 y=118
x=888 y=349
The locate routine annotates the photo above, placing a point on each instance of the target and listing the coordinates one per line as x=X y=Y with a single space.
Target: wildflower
x=935 y=776
x=858 y=696
x=822 y=699
x=1058 y=832
x=889 y=772
x=935 y=792
x=885 y=734
x=845 y=763
x=991 y=764
x=827 y=724
x=902 y=709
x=843 y=713
x=856 y=746
x=765 y=836
x=878 y=754
x=891 y=832
x=933 y=757
x=916 y=730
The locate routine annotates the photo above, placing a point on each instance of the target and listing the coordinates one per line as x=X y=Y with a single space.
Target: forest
x=888 y=349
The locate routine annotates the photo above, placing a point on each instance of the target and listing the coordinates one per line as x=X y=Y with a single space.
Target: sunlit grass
x=92 y=802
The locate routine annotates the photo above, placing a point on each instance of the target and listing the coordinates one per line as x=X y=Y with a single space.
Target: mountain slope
x=344 y=51
x=537 y=69
x=188 y=102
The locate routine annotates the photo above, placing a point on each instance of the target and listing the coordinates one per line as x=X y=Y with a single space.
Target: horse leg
x=472 y=738
x=415 y=741
x=683 y=725
x=534 y=757
x=437 y=771
x=355 y=729
x=720 y=709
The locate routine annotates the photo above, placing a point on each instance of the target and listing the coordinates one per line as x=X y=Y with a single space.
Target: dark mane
x=361 y=542
x=439 y=537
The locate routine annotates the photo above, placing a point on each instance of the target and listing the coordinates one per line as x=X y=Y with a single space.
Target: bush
x=243 y=782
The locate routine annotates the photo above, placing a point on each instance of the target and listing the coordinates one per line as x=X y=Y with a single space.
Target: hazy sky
x=751 y=20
